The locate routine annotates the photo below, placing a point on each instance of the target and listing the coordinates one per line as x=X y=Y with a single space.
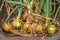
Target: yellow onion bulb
x=16 y=23
x=39 y=28
x=6 y=27
x=25 y=25
x=51 y=29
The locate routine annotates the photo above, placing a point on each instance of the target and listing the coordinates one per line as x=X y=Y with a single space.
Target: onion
x=26 y=25
x=39 y=28
x=51 y=29
x=6 y=27
x=16 y=23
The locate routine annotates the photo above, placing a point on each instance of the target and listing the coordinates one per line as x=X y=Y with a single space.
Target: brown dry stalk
x=2 y=5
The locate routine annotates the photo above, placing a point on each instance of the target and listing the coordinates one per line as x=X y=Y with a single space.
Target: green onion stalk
x=17 y=22
x=18 y=4
x=51 y=28
x=47 y=11
x=57 y=12
x=9 y=14
x=41 y=5
x=7 y=26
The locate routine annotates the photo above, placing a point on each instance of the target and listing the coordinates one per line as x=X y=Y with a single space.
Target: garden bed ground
x=3 y=37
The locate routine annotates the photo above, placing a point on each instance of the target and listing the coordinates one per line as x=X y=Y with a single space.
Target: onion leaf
x=14 y=2
x=47 y=10
x=19 y=9
x=58 y=1
x=41 y=5
x=9 y=14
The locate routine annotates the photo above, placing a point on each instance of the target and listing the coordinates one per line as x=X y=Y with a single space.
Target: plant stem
x=57 y=12
x=9 y=14
x=2 y=5
x=41 y=3
x=13 y=2
x=19 y=13
x=47 y=12
x=19 y=10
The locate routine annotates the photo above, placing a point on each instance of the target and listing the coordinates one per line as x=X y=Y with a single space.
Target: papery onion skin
x=24 y=17
x=6 y=27
x=25 y=25
x=39 y=28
